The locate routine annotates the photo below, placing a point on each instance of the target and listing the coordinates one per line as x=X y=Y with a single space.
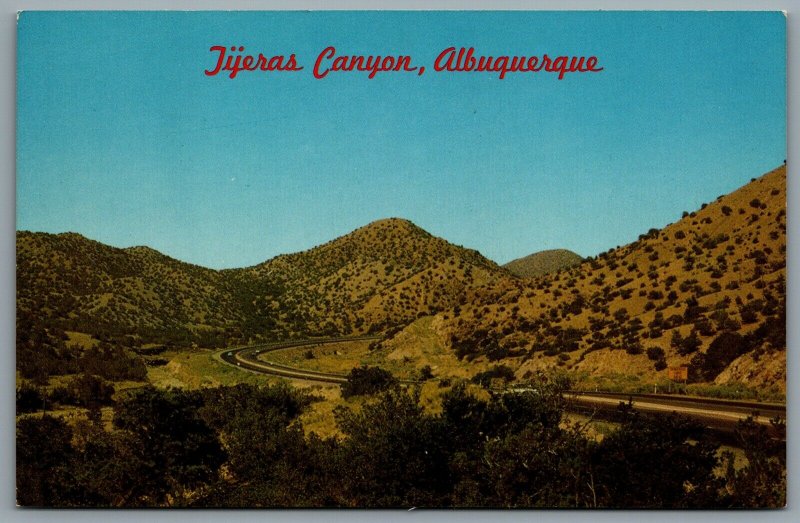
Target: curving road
x=247 y=358
x=714 y=413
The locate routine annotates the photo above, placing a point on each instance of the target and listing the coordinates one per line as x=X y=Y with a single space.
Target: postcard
x=362 y=259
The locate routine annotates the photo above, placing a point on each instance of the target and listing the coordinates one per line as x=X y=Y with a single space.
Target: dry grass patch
x=197 y=368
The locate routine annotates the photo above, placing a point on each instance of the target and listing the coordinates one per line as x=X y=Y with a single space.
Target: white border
x=8 y=511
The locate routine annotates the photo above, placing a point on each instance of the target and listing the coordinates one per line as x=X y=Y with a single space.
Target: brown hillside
x=78 y=284
x=543 y=262
x=721 y=269
x=383 y=274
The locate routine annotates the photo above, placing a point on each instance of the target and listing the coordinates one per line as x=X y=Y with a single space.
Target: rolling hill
x=74 y=283
x=382 y=275
x=543 y=262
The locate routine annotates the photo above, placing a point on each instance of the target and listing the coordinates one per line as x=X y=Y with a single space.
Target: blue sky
x=122 y=138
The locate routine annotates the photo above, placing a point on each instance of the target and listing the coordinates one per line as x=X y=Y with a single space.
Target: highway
x=718 y=414
x=247 y=358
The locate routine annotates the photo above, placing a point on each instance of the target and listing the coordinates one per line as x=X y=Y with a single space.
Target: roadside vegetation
x=242 y=446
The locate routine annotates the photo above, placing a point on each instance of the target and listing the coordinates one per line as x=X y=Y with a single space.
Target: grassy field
x=197 y=368
x=417 y=347
x=337 y=358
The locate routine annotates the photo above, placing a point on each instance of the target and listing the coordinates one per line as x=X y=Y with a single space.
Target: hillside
x=707 y=291
x=77 y=284
x=381 y=275
x=543 y=262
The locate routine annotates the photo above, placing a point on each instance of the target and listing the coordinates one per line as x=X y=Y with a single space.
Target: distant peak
x=72 y=235
x=548 y=252
x=543 y=262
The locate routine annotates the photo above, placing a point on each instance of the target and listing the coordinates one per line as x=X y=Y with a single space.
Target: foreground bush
x=243 y=447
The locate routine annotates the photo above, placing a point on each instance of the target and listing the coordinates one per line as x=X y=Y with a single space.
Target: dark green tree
x=267 y=453
x=654 y=462
x=29 y=398
x=366 y=380
x=44 y=454
x=180 y=453
x=394 y=455
x=762 y=483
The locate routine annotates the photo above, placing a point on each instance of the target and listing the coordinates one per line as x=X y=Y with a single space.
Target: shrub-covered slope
x=379 y=276
x=707 y=291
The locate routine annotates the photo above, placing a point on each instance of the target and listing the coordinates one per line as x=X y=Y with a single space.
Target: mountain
x=708 y=292
x=78 y=284
x=382 y=275
x=543 y=262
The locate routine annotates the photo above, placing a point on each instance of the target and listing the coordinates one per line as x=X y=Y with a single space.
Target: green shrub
x=655 y=353
x=502 y=372
x=366 y=380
